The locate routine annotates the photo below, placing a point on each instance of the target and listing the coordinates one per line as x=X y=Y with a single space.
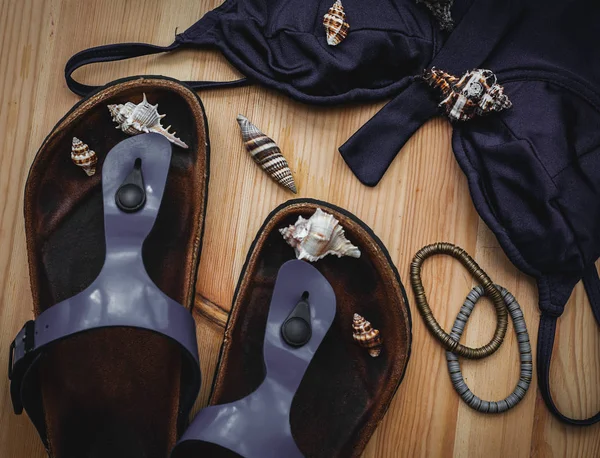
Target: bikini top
x=533 y=169
x=282 y=44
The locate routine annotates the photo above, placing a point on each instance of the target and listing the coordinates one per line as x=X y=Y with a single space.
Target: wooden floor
x=422 y=199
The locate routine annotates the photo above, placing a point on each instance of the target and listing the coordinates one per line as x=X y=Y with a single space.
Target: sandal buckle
x=11 y=352
x=27 y=337
x=16 y=368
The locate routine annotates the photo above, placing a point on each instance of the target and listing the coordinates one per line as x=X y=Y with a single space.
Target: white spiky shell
x=318 y=236
x=335 y=24
x=266 y=153
x=142 y=118
x=83 y=156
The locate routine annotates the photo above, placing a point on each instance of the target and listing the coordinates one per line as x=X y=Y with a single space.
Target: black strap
x=114 y=52
x=546 y=335
x=591 y=281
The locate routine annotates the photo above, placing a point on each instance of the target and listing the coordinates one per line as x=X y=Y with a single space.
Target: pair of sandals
x=110 y=365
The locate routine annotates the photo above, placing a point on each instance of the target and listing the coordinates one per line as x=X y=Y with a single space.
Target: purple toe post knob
x=131 y=195
x=296 y=329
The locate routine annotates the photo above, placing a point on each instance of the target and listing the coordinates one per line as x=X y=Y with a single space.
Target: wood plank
x=26 y=31
x=423 y=198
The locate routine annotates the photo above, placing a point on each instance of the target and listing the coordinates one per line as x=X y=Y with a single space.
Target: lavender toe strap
x=258 y=425
x=123 y=295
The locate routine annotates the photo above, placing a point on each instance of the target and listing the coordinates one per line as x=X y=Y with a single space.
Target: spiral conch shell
x=266 y=153
x=335 y=24
x=318 y=236
x=83 y=156
x=142 y=118
x=474 y=94
x=366 y=336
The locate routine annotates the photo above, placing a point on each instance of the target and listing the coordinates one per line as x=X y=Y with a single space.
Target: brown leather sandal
x=263 y=404
x=111 y=369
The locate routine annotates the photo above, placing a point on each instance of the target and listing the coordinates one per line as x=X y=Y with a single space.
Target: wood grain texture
x=423 y=198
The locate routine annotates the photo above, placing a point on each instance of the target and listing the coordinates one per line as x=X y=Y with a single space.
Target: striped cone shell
x=83 y=156
x=266 y=153
x=365 y=336
x=335 y=24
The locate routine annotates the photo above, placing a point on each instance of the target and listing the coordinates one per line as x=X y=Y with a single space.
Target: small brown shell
x=476 y=93
x=266 y=153
x=335 y=24
x=366 y=336
x=83 y=156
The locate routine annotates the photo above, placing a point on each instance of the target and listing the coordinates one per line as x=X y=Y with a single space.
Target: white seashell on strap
x=476 y=93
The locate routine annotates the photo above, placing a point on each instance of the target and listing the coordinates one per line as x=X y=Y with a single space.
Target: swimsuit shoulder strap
x=121 y=51
x=546 y=334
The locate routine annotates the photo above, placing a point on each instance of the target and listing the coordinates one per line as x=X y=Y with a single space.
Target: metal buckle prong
x=11 y=353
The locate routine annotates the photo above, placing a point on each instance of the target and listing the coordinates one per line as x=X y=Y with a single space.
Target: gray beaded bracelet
x=524 y=349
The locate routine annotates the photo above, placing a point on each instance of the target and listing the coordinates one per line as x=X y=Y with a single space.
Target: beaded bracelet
x=524 y=350
x=447 y=341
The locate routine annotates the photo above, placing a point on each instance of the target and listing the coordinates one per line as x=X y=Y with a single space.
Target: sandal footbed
x=345 y=392
x=113 y=392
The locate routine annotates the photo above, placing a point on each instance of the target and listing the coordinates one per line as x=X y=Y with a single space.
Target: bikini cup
x=282 y=45
x=537 y=186
x=279 y=43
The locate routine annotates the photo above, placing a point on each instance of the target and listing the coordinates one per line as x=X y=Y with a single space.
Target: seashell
x=335 y=24
x=366 y=336
x=141 y=119
x=314 y=238
x=441 y=11
x=83 y=156
x=476 y=93
x=266 y=153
